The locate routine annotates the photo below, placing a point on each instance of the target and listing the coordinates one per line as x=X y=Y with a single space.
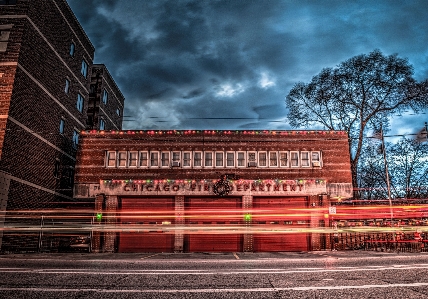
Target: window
x=240 y=159
x=316 y=161
x=79 y=103
x=154 y=159
x=165 y=159
x=219 y=159
x=283 y=159
x=133 y=159
x=84 y=69
x=273 y=159
x=294 y=159
x=7 y=2
x=186 y=159
x=118 y=112
x=208 y=159
x=70 y=176
x=72 y=48
x=252 y=161
x=230 y=159
x=75 y=139
x=61 y=126
x=121 y=159
x=67 y=86
x=111 y=159
x=304 y=160
x=102 y=124
x=197 y=159
x=143 y=162
x=56 y=169
x=262 y=159
x=176 y=159
x=105 y=97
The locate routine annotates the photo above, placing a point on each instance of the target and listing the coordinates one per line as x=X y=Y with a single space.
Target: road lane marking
x=234 y=290
x=210 y=272
x=149 y=256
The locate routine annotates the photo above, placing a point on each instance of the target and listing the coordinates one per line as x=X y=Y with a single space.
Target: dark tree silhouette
x=357 y=95
x=409 y=171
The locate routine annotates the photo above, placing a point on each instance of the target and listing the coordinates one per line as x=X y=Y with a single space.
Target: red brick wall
x=334 y=146
x=25 y=153
x=100 y=80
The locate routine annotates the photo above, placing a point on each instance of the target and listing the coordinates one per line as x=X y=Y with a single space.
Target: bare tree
x=372 y=185
x=409 y=171
x=358 y=95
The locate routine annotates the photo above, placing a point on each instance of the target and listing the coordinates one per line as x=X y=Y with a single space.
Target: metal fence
x=385 y=242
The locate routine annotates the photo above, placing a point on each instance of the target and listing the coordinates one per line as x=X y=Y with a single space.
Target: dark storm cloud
x=234 y=61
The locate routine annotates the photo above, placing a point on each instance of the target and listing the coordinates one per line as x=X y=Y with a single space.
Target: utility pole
x=387 y=175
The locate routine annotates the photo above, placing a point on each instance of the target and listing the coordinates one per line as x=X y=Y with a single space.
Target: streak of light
x=206 y=229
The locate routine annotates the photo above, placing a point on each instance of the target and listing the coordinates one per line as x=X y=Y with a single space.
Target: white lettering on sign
x=206 y=188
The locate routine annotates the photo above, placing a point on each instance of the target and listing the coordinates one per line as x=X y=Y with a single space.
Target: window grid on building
x=154 y=159
x=217 y=159
x=316 y=159
x=102 y=124
x=121 y=159
x=72 y=49
x=57 y=165
x=197 y=159
x=294 y=159
x=61 y=126
x=273 y=159
x=105 y=97
x=208 y=159
x=111 y=159
x=187 y=159
x=75 y=138
x=176 y=159
x=133 y=159
x=262 y=159
x=79 y=102
x=144 y=160
x=304 y=159
x=67 y=86
x=240 y=159
x=283 y=159
x=84 y=68
x=165 y=159
x=230 y=159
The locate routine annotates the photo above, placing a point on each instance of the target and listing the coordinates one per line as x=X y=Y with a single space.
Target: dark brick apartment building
x=50 y=92
x=167 y=191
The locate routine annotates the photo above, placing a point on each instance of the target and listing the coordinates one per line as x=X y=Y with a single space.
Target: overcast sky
x=182 y=64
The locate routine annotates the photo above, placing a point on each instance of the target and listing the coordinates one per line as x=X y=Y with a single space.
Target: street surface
x=326 y=274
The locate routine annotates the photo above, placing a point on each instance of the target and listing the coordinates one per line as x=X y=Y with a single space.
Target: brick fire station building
x=50 y=91
x=190 y=191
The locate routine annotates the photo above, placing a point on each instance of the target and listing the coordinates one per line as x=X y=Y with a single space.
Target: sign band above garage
x=207 y=187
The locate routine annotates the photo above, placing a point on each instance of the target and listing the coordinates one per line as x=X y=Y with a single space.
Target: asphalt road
x=340 y=274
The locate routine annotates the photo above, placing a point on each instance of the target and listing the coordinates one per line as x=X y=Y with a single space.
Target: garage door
x=279 y=224
x=212 y=224
x=147 y=225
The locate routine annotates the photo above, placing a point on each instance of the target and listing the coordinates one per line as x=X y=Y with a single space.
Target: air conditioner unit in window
x=252 y=164
x=316 y=164
x=175 y=164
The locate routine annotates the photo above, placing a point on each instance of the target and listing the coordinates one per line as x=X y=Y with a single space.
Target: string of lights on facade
x=209 y=132
x=208 y=181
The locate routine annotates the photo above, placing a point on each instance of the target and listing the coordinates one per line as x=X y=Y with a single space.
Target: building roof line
x=112 y=79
